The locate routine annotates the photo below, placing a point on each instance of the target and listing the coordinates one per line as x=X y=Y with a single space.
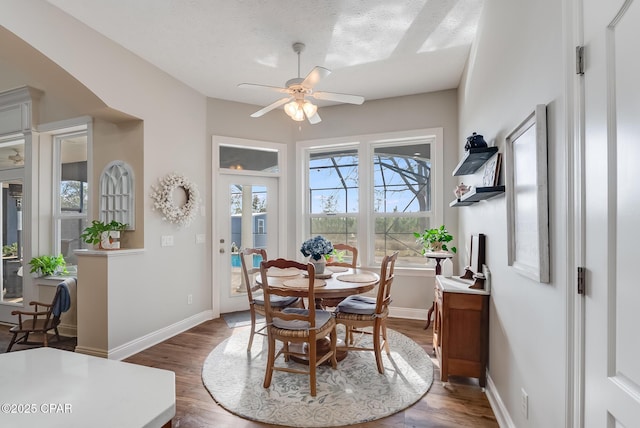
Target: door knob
x=221 y=250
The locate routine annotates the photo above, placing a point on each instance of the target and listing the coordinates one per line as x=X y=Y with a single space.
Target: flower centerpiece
x=316 y=248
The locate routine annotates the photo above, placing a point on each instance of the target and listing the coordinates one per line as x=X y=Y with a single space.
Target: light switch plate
x=167 y=241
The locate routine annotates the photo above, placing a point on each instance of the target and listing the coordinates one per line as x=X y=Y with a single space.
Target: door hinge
x=580 y=60
x=581 y=280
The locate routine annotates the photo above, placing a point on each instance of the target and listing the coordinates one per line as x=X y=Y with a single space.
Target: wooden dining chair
x=254 y=291
x=351 y=259
x=44 y=318
x=296 y=325
x=357 y=311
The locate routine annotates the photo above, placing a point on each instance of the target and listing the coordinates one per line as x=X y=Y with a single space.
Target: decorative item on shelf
x=162 y=196
x=475 y=141
x=105 y=235
x=479 y=282
x=48 y=265
x=447 y=268
x=316 y=249
x=461 y=189
x=491 y=172
x=434 y=240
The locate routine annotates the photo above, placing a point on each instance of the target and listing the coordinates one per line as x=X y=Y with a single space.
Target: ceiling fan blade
x=343 y=98
x=270 y=88
x=315 y=118
x=314 y=77
x=272 y=106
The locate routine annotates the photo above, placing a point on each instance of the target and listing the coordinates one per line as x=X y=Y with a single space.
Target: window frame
x=365 y=145
x=57 y=215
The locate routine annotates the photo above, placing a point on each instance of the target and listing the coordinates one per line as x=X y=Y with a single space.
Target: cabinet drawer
x=464 y=301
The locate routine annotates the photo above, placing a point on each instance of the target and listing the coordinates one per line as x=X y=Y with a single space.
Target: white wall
x=174 y=140
x=517 y=63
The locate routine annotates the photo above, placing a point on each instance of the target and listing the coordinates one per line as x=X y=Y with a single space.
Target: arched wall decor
x=162 y=196
x=117 y=194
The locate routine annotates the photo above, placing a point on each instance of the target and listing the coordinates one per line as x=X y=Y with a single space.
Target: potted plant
x=48 y=265
x=10 y=250
x=105 y=235
x=316 y=249
x=435 y=240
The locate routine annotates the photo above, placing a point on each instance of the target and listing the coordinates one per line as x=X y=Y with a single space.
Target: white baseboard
x=68 y=330
x=91 y=351
x=140 y=344
x=497 y=405
x=409 y=313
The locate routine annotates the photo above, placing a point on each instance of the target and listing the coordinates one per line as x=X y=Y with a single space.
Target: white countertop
x=46 y=387
x=455 y=284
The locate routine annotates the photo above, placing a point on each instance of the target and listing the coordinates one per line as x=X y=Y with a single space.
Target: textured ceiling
x=375 y=48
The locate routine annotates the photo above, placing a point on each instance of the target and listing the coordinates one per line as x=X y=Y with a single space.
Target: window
x=117 y=194
x=70 y=208
x=373 y=192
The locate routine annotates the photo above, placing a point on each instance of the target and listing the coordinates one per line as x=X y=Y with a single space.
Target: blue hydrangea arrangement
x=316 y=247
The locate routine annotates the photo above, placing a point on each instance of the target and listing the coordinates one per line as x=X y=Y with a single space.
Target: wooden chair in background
x=254 y=292
x=357 y=311
x=296 y=325
x=348 y=260
x=44 y=318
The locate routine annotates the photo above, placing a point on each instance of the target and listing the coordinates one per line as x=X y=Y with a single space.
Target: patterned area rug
x=353 y=393
x=240 y=319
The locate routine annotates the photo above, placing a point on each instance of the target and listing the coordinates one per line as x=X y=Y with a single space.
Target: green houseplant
x=435 y=240
x=103 y=234
x=10 y=250
x=48 y=265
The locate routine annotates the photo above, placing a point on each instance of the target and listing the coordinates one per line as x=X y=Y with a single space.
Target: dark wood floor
x=460 y=403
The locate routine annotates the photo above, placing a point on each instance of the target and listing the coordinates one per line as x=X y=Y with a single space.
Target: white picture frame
x=527 y=196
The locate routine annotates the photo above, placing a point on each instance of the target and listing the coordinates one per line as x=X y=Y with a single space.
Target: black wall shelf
x=477 y=194
x=473 y=159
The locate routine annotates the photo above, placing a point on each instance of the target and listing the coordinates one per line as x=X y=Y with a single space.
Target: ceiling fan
x=16 y=158
x=297 y=89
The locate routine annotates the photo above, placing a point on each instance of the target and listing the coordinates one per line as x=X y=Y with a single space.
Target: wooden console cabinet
x=461 y=329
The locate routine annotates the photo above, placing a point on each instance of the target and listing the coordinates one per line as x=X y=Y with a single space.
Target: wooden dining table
x=330 y=288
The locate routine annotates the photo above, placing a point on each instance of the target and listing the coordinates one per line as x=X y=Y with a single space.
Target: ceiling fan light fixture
x=297 y=89
x=309 y=109
x=296 y=110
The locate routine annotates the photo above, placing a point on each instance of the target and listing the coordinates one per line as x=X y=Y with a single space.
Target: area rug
x=240 y=319
x=353 y=393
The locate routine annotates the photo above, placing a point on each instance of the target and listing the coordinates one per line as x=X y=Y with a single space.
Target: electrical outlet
x=524 y=403
x=200 y=238
x=189 y=299
x=166 y=241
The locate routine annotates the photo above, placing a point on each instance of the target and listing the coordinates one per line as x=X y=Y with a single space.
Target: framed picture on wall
x=527 y=196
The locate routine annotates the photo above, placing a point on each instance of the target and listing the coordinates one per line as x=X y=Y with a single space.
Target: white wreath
x=162 y=196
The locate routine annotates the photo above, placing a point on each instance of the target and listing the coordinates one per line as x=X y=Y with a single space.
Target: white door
x=247 y=217
x=612 y=210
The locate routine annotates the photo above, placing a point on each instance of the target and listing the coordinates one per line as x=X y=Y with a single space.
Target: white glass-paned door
x=247 y=213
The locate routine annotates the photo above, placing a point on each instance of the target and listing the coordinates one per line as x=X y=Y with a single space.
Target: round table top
x=334 y=288
x=438 y=255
